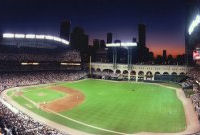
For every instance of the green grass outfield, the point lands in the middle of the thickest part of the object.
(118, 106)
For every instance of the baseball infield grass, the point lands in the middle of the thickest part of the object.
(118, 106)
(39, 95)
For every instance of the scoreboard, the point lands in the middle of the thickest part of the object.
(196, 54)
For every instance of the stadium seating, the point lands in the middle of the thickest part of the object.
(193, 83)
(14, 122)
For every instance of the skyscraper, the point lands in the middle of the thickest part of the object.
(65, 29)
(151, 57)
(142, 35)
(96, 43)
(79, 40)
(109, 37)
(102, 44)
(142, 50)
(164, 56)
(134, 39)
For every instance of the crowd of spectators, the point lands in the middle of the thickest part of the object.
(106, 74)
(8, 80)
(196, 99)
(188, 83)
(17, 123)
(14, 122)
(69, 56)
(21, 124)
(194, 73)
(193, 82)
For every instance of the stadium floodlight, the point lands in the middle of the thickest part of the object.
(129, 44)
(63, 63)
(35, 63)
(31, 36)
(113, 45)
(197, 82)
(65, 42)
(194, 24)
(57, 39)
(39, 36)
(48, 37)
(8, 35)
(24, 63)
(70, 64)
(19, 36)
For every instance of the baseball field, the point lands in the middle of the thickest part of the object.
(106, 107)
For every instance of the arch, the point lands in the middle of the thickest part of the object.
(92, 69)
(182, 73)
(141, 73)
(157, 73)
(98, 70)
(133, 73)
(149, 74)
(108, 71)
(125, 72)
(118, 71)
(174, 73)
(165, 73)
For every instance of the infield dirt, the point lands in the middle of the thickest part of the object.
(73, 98)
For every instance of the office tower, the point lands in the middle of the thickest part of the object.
(142, 35)
(65, 29)
(79, 40)
(109, 37)
(142, 50)
(96, 43)
(102, 44)
(151, 57)
(164, 56)
(134, 40)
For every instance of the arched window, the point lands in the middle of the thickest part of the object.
(141, 74)
(149, 74)
(157, 73)
(165, 73)
(98, 70)
(118, 71)
(133, 73)
(174, 73)
(125, 72)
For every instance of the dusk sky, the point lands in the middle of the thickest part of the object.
(164, 19)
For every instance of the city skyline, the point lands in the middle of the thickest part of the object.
(165, 28)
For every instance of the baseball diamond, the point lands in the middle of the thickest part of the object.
(107, 107)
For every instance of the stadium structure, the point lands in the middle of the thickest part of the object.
(192, 31)
(45, 89)
(36, 52)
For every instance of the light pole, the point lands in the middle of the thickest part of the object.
(128, 45)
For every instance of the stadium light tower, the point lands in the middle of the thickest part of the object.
(194, 24)
(114, 46)
(190, 46)
(128, 45)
